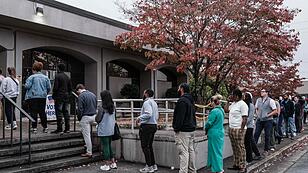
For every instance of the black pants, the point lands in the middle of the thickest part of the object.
(298, 123)
(10, 110)
(305, 117)
(62, 111)
(250, 145)
(267, 126)
(146, 133)
(37, 106)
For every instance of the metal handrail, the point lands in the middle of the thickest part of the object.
(75, 114)
(23, 112)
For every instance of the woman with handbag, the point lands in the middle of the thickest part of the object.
(10, 87)
(105, 129)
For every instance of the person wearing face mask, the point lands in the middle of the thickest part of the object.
(87, 104)
(184, 125)
(148, 127)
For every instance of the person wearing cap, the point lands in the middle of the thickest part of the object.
(87, 105)
(184, 125)
(265, 110)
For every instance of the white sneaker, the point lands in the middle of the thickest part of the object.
(8, 127)
(105, 168)
(113, 166)
(147, 169)
(155, 167)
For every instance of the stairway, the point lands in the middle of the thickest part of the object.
(49, 152)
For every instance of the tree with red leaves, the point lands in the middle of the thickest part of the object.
(217, 41)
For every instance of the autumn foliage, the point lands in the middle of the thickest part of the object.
(219, 42)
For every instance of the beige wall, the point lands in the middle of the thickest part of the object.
(116, 84)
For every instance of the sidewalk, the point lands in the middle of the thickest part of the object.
(127, 167)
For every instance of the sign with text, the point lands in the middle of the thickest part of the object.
(50, 108)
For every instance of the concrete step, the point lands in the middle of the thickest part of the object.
(69, 143)
(40, 156)
(45, 137)
(47, 166)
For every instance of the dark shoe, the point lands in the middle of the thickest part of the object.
(244, 170)
(56, 132)
(86, 155)
(45, 130)
(234, 168)
(257, 158)
(66, 131)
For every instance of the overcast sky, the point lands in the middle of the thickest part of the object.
(109, 9)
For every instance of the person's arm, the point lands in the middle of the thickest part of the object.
(211, 119)
(80, 107)
(29, 83)
(147, 112)
(244, 112)
(55, 85)
(178, 116)
(274, 108)
(48, 85)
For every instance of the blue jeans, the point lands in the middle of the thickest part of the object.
(281, 125)
(267, 126)
(289, 125)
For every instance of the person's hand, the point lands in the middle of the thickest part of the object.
(138, 121)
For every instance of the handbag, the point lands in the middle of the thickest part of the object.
(117, 134)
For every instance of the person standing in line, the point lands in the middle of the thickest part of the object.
(184, 125)
(299, 113)
(280, 128)
(87, 105)
(105, 130)
(1, 79)
(214, 128)
(61, 94)
(148, 127)
(250, 144)
(288, 113)
(265, 110)
(238, 113)
(10, 87)
(274, 132)
(305, 110)
(37, 88)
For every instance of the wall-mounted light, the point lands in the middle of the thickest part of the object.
(39, 10)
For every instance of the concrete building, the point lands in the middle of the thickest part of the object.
(53, 32)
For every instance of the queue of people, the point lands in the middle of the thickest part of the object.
(279, 118)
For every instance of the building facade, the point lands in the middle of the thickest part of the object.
(52, 32)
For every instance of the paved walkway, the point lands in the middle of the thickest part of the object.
(128, 167)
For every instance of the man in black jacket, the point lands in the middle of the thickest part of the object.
(184, 125)
(288, 115)
(60, 93)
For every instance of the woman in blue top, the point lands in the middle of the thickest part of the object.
(215, 131)
(37, 88)
(105, 130)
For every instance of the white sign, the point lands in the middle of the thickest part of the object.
(50, 108)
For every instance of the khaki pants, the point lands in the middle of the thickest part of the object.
(185, 145)
(85, 124)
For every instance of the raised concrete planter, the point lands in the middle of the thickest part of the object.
(166, 153)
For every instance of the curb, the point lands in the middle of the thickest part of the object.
(265, 162)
